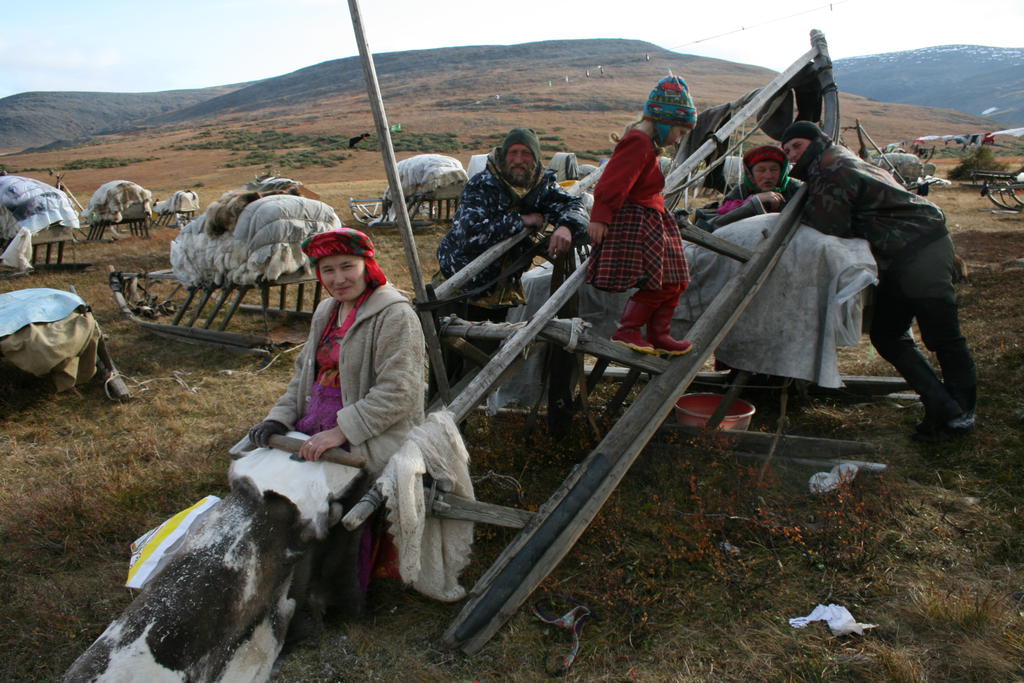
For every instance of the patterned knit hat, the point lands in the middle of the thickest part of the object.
(670, 103)
(345, 241)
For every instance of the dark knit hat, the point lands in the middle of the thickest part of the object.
(801, 129)
(521, 136)
(670, 103)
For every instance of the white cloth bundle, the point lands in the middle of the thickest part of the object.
(430, 175)
(180, 201)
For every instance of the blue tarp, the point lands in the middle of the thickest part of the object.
(38, 305)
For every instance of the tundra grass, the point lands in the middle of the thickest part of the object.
(692, 569)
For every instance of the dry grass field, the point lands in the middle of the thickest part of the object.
(931, 552)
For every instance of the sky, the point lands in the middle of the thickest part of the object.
(154, 45)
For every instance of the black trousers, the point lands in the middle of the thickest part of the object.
(922, 290)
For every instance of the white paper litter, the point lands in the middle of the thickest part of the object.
(838, 617)
(823, 482)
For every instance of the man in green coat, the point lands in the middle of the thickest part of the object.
(848, 197)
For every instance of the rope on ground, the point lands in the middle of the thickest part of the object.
(503, 481)
(176, 376)
(573, 621)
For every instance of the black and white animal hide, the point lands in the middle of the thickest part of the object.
(219, 609)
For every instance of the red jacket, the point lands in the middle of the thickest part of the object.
(631, 176)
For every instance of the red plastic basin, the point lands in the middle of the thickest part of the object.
(695, 409)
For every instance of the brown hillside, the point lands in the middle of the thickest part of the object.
(575, 114)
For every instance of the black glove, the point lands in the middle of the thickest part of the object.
(262, 432)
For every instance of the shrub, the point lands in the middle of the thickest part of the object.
(981, 158)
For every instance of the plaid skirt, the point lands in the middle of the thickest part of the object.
(641, 249)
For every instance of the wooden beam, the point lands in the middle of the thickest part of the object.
(692, 233)
(453, 285)
(483, 383)
(761, 442)
(398, 198)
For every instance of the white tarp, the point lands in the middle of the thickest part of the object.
(808, 307)
(34, 204)
(263, 246)
(1016, 132)
(180, 201)
(430, 176)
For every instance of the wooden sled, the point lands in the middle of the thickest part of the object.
(554, 529)
(201, 315)
(425, 211)
(174, 219)
(1004, 195)
(137, 227)
(48, 251)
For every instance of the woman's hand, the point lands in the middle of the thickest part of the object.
(315, 445)
(597, 231)
(771, 201)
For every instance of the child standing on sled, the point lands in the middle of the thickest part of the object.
(636, 240)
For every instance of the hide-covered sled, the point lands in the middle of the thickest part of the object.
(52, 333)
(431, 184)
(36, 222)
(242, 254)
(120, 203)
(178, 209)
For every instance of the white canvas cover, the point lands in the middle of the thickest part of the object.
(430, 176)
(179, 202)
(34, 205)
(263, 246)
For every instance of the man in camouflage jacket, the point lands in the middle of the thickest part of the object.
(848, 197)
(513, 193)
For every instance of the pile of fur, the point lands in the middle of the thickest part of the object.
(118, 201)
(30, 203)
(244, 238)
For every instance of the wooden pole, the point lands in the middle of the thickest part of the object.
(398, 196)
(453, 285)
(467, 399)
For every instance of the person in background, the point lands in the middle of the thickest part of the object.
(358, 384)
(848, 197)
(513, 193)
(636, 240)
(766, 187)
(352, 142)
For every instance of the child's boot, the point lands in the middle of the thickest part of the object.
(631, 324)
(659, 329)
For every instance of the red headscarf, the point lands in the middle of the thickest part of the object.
(345, 241)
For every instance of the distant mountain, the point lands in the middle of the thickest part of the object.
(582, 78)
(444, 75)
(979, 80)
(40, 118)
